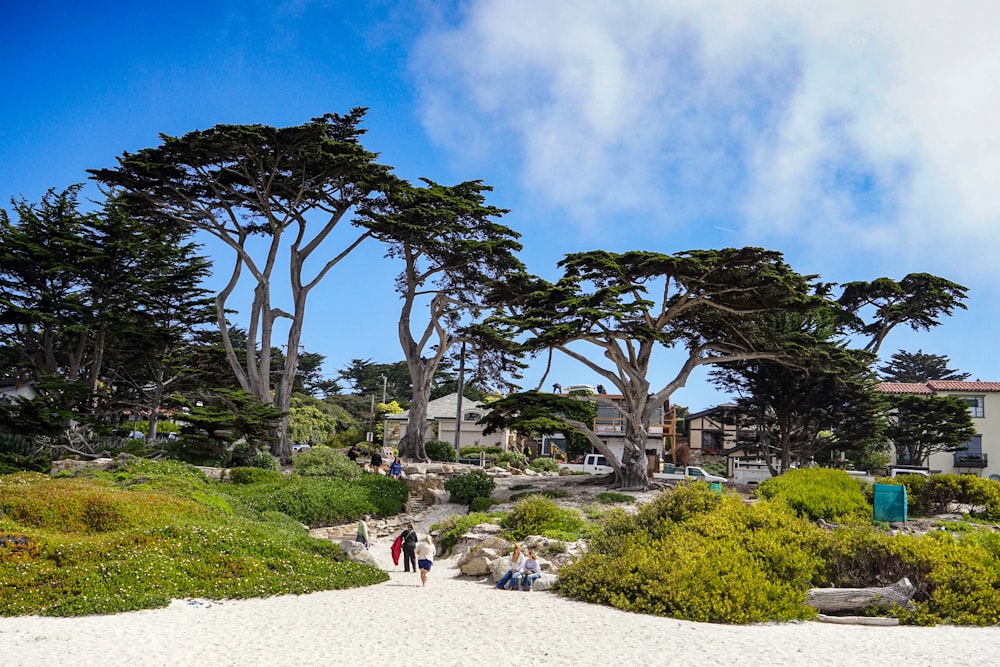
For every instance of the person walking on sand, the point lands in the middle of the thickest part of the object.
(409, 548)
(396, 468)
(516, 565)
(376, 463)
(363, 530)
(425, 558)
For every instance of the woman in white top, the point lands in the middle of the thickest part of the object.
(425, 558)
(516, 565)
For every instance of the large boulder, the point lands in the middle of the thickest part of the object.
(355, 551)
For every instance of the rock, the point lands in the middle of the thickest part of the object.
(544, 582)
(355, 551)
(530, 473)
(477, 566)
(564, 472)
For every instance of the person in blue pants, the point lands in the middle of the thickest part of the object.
(516, 565)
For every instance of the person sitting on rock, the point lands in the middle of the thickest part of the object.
(528, 574)
(516, 565)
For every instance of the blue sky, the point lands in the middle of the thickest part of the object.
(858, 138)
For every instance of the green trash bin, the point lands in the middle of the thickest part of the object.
(716, 486)
(890, 502)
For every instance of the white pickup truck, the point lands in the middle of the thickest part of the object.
(593, 464)
(688, 472)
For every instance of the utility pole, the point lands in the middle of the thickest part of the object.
(384, 380)
(458, 411)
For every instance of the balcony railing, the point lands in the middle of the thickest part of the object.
(970, 460)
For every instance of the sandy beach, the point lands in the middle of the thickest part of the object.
(456, 620)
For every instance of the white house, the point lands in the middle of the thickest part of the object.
(983, 399)
(11, 390)
(441, 414)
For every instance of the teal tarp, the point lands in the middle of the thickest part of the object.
(890, 502)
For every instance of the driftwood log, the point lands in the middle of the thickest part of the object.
(857, 620)
(849, 599)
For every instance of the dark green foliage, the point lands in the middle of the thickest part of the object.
(919, 367)
(481, 504)
(545, 493)
(543, 464)
(609, 497)
(923, 425)
(536, 515)
(254, 476)
(465, 488)
(16, 453)
(511, 459)
(932, 495)
(223, 417)
(473, 452)
(326, 462)
(918, 301)
(818, 493)
(146, 534)
(321, 501)
(439, 450)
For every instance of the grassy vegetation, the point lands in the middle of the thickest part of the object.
(610, 497)
(704, 556)
(146, 533)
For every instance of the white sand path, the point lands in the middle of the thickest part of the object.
(460, 621)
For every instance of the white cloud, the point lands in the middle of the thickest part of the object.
(859, 124)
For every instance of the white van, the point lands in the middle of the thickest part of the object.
(896, 471)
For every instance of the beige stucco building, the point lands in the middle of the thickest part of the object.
(982, 456)
(441, 417)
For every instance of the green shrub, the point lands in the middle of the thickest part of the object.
(439, 450)
(321, 501)
(818, 493)
(511, 459)
(544, 464)
(465, 488)
(933, 495)
(609, 497)
(473, 452)
(452, 528)
(117, 542)
(535, 515)
(701, 556)
(253, 475)
(481, 504)
(326, 462)
(263, 460)
(554, 494)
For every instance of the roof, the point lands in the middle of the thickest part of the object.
(935, 386)
(721, 408)
(445, 407)
(903, 388)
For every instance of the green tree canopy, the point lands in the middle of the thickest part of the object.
(923, 425)
(710, 303)
(919, 367)
(451, 248)
(236, 182)
(918, 300)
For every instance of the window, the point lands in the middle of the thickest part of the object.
(471, 416)
(977, 405)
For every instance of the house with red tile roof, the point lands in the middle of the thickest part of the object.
(982, 456)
